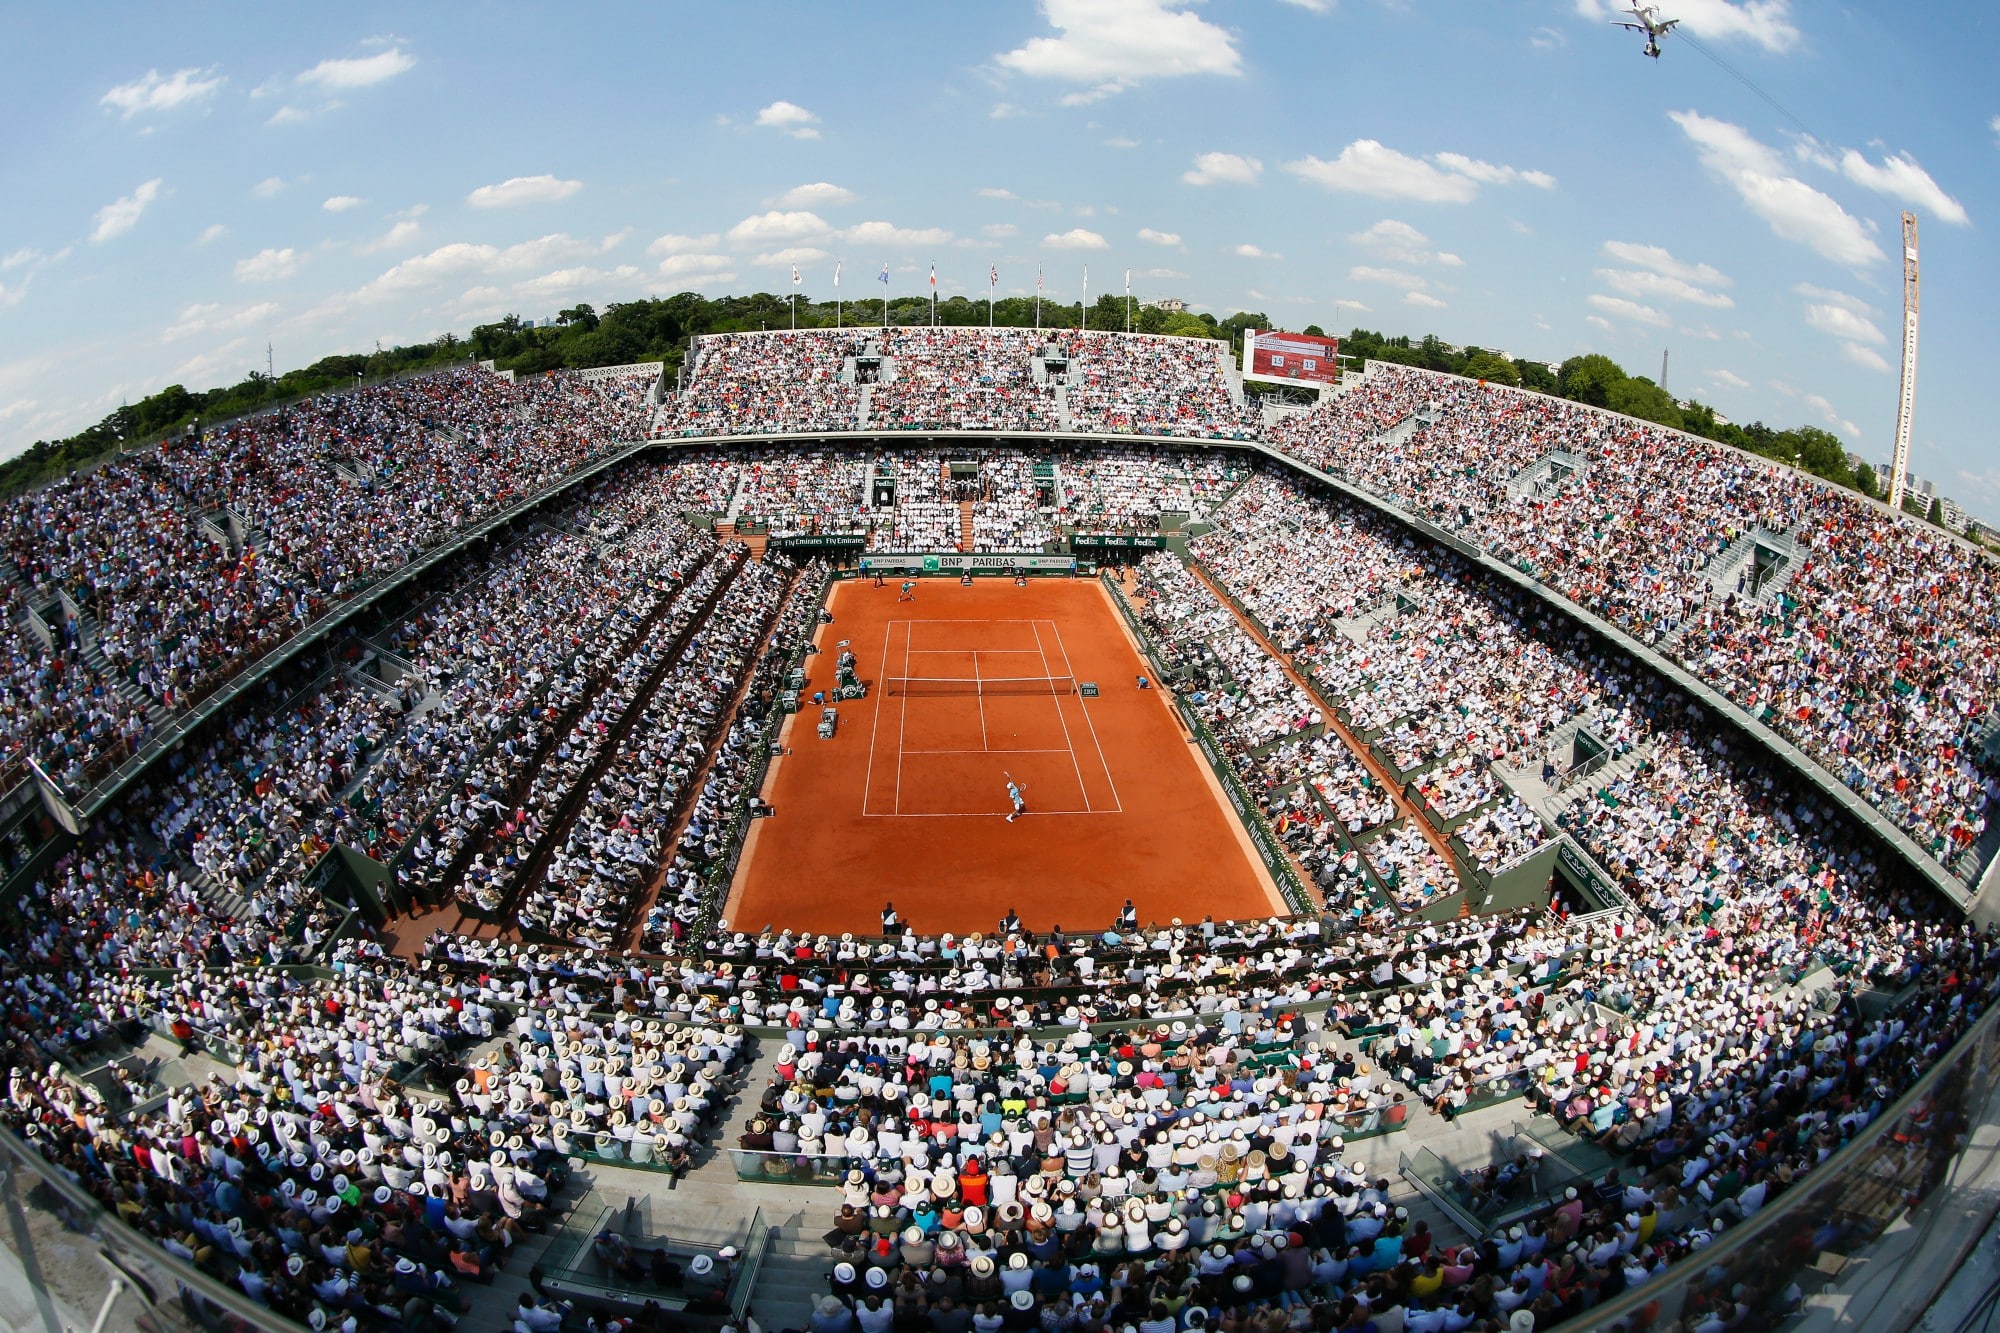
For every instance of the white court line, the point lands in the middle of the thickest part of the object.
(986, 752)
(980, 695)
(869, 777)
(1069, 670)
(1057, 700)
(902, 717)
(986, 814)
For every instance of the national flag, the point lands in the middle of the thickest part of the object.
(836, 274)
(795, 275)
(1038, 277)
(993, 276)
(1128, 282)
(933, 277)
(884, 278)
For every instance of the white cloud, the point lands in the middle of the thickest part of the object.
(516, 190)
(153, 91)
(777, 227)
(1660, 260)
(877, 234)
(1488, 173)
(1313, 6)
(1223, 169)
(1832, 297)
(1248, 251)
(211, 318)
(1842, 321)
(1865, 356)
(1424, 299)
(214, 231)
(1075, 239)
(1730, 378)
(463, 258)
(293, 115)
(1003, 111)
(671, 244)
(1388, 277)
(26, 263)
(1598, 322)
(999, 231)
(402, 233)
(359, 71)
(1155, 237)
(819, 194)
(995, 192)
(704, 268)
(1830, 414)
(1368, 167)
(1899, 177)
(1994, 125)
(1632, 310)
(268, 188)
(1661, 287)
(1121, 141)
(1158, 273)
(1794, 210)
(121, 215)
(789, 118)
(1401, 243)
(1344, 303)
(340, 203)
(581, 278)
(268, 265)
(1112, 45)
(791, 254)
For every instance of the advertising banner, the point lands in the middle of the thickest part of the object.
(955, 562)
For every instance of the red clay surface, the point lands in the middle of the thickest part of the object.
(908, 801)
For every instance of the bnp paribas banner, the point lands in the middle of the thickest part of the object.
(956, 563)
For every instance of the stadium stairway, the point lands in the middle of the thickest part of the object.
(683, 813)
(1232, 374)
(556, 831)
(1062, 408)
(965, 535)
(122, 684)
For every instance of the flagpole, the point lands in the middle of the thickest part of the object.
(1083, 308)
(1038, 298)
(836, 294)
(1128, 300)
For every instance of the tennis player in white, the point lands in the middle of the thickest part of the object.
(1016, 796)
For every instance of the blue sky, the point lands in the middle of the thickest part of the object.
(187, 183)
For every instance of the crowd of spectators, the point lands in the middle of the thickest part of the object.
(778, 382)
(185, 562)
(1135, 384)
(558, 700)
(1872, 648)
(962, 379)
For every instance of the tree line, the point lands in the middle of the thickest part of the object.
(661, 329)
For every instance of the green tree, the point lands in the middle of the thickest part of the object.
(1936, 514)
(1492, 367)
(1589, 379)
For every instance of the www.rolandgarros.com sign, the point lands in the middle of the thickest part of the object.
(956, 563)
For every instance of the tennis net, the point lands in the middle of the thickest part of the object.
(981, 686)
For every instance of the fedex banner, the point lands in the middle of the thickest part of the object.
(1269, 355)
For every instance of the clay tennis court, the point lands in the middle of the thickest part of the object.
(908, 801)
